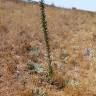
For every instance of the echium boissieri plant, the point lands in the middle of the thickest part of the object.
(45, 31)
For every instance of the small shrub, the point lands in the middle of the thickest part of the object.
(35, 68)
(74, 82)
(39, 92)
(64, 56)
(33, 50)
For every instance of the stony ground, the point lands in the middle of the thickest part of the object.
(73, 51)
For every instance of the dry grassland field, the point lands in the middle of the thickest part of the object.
(72, 38)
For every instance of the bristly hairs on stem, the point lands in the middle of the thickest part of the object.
(45, 31)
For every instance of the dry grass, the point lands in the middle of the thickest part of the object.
(71, 31)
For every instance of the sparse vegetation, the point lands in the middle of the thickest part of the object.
(35, 68)
(38, 92)
(72, 40)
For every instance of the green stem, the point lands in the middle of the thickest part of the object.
(45, 31)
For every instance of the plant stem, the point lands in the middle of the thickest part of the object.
(45, 31)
